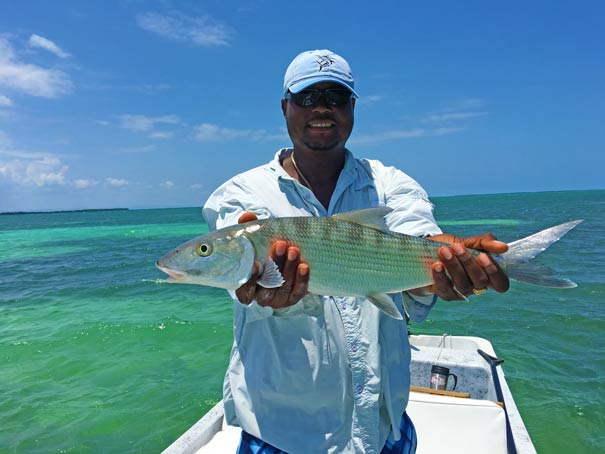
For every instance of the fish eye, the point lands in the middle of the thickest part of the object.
(204, 249)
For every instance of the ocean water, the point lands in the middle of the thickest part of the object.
(96, 355)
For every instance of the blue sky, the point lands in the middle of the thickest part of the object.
(155, 103)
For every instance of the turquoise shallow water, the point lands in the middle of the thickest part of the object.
(98, 356)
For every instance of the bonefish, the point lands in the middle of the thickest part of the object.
(349, 254)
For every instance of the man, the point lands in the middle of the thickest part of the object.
(333, 376)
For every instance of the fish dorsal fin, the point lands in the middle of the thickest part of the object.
(368, 217)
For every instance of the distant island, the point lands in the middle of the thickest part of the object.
(64, 211)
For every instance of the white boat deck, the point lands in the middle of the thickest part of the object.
(444, 424)
(459, 354)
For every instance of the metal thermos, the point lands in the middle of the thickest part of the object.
(439, 376)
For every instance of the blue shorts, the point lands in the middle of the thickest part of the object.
(249, 444)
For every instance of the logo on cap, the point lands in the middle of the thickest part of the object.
(324, 61)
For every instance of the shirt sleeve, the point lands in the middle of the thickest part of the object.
(412, 210)
(230, 200)
(418, 307)
(413, 215)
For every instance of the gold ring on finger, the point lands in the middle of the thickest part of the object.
(479, 291)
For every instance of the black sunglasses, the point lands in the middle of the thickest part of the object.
(333, 97)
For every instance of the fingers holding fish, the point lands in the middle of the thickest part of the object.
(245, 294)
(247, 216)
(278, 255)
(466, 274)
(486, 274)
(473, 276)
(498, 280)
(463, 272)
(443, 287)
(485, 242)
(295, 274)
(287, 259)
(289, 269)
(301, 283)
(296, 277)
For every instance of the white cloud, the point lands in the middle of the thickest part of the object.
(442, 122)
(22, 168)
(117, 182)
(196, 186)
(208, 132)
(161, 134)
(167, 184)
(84, 184)
(452, 116)
(385, 136)
(142, 87)
(368, 139)
(460, 110)
(202, 31)
(29, 78)
(50, 170)
(39, 169)
(370, 99)
(47, 44)
(141, 123)
(5, 101)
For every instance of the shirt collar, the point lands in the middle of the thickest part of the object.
(349, 170)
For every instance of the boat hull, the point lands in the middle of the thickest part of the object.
(476, 423)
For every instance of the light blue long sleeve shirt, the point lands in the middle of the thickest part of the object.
(330, 377)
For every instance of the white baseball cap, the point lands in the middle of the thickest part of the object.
(314, 66)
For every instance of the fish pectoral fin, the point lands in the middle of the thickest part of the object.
(270, 277)
(383, 302)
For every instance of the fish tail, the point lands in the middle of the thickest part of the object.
(522, 251)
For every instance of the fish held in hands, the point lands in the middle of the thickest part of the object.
(349, 254)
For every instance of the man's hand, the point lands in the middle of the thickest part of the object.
(294, 271)
(467, 275)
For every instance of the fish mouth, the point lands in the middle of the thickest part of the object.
(174, 274)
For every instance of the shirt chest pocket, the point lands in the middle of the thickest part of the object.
(361, 195)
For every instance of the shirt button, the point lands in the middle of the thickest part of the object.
(307, 196)
(359, 389)
(354, 348)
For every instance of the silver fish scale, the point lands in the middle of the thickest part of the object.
(351, 259)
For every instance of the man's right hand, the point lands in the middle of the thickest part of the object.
(294, 271)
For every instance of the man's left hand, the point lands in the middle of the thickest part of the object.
(459, 273)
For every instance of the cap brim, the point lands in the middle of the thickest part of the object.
(300, 86)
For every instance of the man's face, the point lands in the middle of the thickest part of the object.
(322, 127)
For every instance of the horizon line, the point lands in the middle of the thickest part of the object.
(163, 207)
